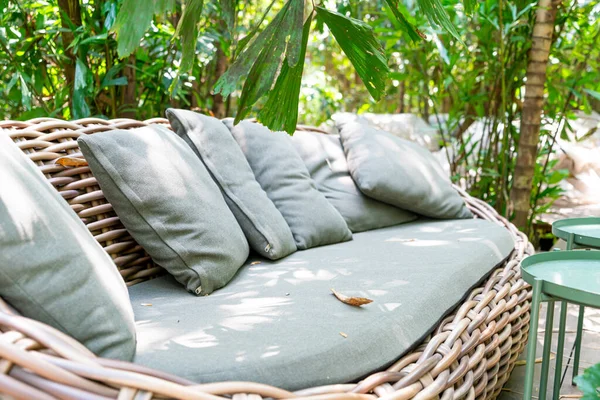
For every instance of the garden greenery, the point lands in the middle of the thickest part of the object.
(456, 64)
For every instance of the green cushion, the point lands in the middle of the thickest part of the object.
(278, 323)
(398, 172)
(324, 157)
(283, 176)
(169, 203)
(266, 230)
(51, 267)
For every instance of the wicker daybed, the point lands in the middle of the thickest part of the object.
(470, 354)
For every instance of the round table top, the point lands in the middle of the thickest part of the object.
(570, 275)
(586, 230)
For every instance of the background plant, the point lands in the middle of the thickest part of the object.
(64, 61)
(589, 383)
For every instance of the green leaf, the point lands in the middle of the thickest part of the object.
(260, 62)
(35, 112)
(589, 382)
(3, 4)
(437, 15)
(25, 92)
(228, 12)
(281, 110)
(110, 80)
(593, 93)
(361, 47)
(188, 30)
(133, 21)
(409, 28)
(296, 33)
(109, 10)
(264, 70)
(469, 6)
(80, 108)
(246, 39)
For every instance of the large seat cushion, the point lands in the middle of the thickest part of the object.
(398, 172)
(51, 267)
(278, 323)
(267, 232)
(283, 176)
(167, 200)
(326, 162)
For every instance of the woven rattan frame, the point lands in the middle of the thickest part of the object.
(470, 355)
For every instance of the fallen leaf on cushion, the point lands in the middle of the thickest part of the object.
(255, 262)
(353, 301)
(343, 335)
(68, 161)
(147, 304)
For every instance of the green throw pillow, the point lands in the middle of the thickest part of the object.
(169, 204)
(398, 172)
(266, 230)
(51, 267)
(282, 174)
(324, 157)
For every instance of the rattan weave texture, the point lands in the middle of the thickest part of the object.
(469, 356)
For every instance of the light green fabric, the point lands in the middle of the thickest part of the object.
(169, 203)
(278, 323)
(282, 174)
(324, 157)
(52, 269)
(398, 172)
(264, 226)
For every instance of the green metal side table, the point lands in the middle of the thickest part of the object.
(578, 233)
(567, 276)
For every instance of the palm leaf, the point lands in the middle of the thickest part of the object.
(246, 39)
(437, 15)
(281, 110)
(133, 21)
(409, 28)
(261, 61)
(187, 29)
(361, 47)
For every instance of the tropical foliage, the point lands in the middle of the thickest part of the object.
(459, 64)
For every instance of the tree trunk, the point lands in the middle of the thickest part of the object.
(532, 111)
(71, 15)
(218, 107)
(129, 97)
(401, 92)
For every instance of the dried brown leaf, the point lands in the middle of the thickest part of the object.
(255, 262)
(146, 304)
(68, 161)
(353, 301)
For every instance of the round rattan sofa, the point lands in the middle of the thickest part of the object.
(470, 355)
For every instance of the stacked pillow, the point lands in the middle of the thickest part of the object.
(324, 157)
(398, 172)
(198, 199)
(169, 203)
(282, 174)
(264, 226)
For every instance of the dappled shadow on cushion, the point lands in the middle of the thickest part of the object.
(277, 322)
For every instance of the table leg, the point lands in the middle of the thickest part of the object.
(578, 342)
(570, 241)
(559, 350)
(546, 352)
(532, 340)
